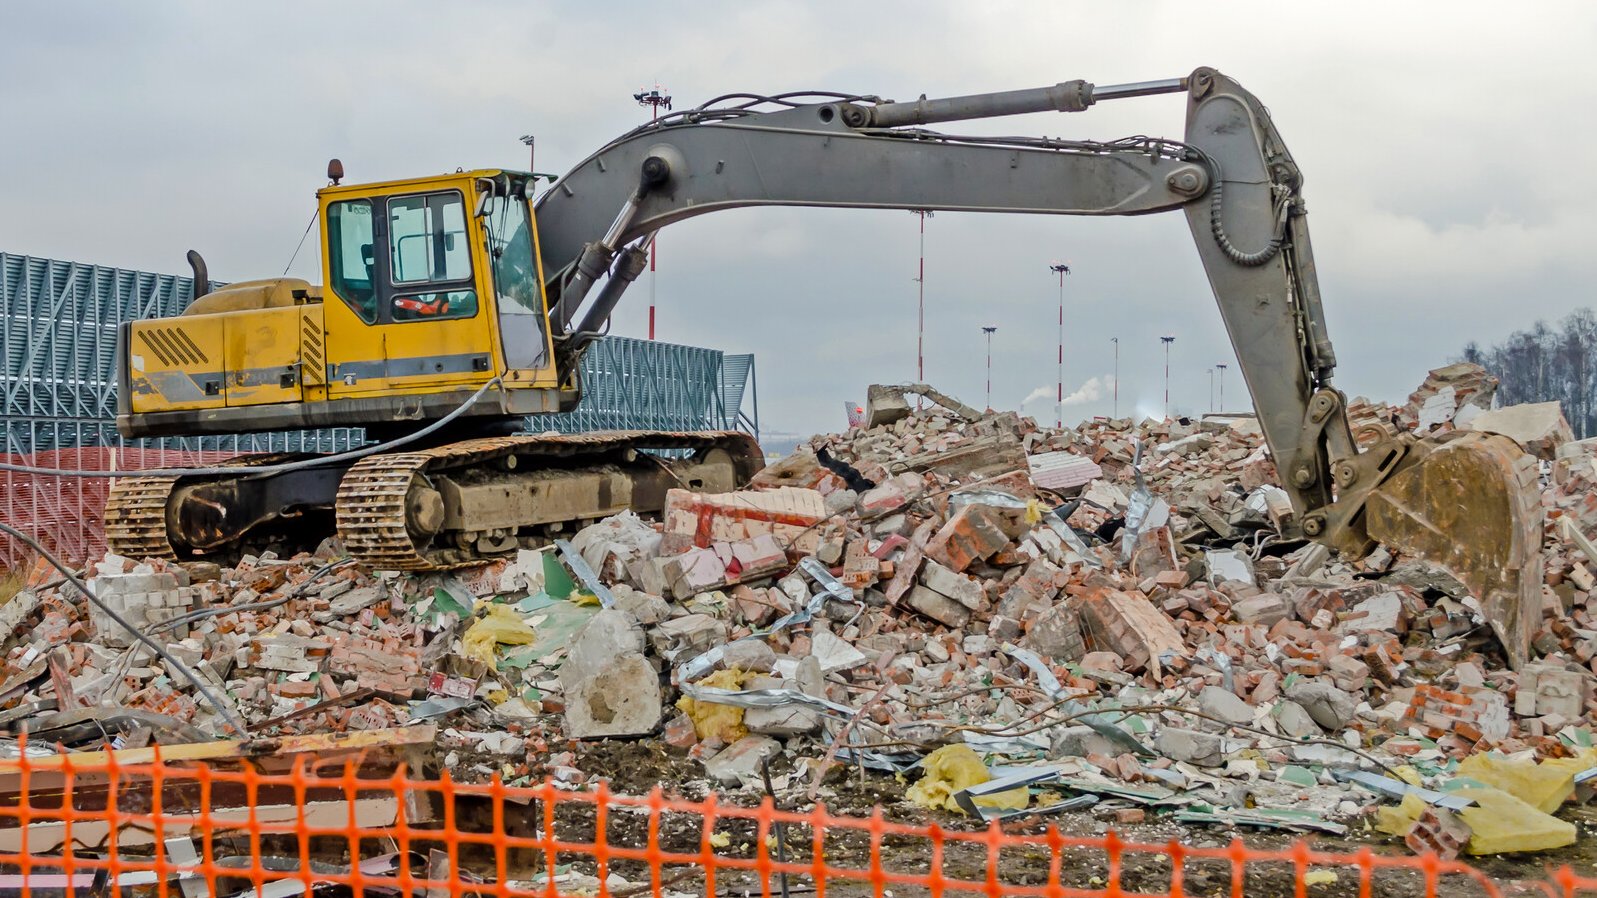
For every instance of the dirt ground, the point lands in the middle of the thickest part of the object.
(636, 767)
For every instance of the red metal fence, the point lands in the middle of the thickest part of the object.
(95, 823)
(66, 514)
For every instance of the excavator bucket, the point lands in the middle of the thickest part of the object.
(1473, 505)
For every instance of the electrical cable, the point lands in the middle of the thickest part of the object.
(264, 470)
(232, 718)
(301, 245)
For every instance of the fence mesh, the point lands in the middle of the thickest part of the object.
(285, 823)
(67, 514)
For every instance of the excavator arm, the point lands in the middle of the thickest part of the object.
(1232, 176)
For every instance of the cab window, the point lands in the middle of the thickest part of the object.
(429, 258)
(447, 304)
(349, 246)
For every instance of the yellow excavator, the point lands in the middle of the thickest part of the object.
(453, 305)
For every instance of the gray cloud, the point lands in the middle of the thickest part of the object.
(1444, 157)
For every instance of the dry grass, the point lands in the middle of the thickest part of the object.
(10, 584)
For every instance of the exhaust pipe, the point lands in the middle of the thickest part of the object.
(202, 276)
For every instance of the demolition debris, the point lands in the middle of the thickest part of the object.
(1114, 619)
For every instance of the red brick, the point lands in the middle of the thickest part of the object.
(1438, 830)
(1131, 627)
(971, 535)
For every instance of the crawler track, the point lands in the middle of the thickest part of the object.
(373, 520)
(372, 514)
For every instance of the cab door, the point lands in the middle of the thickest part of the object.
(412, 313)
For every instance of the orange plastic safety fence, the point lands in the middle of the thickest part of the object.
(69, 827)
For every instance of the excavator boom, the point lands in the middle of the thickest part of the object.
(1232, 176)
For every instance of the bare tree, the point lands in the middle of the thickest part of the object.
(1542, 364)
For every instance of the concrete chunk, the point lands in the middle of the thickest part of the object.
(1056, 635)
(740, 762)
(964, 590)
(787, 513)
(1217, 701)
(1190, 746)
(623, 699)
(1538, 426)
(1330, 707)
(606, 637)
(938, 607)
(973, 534)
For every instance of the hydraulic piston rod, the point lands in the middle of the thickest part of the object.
(1067, 96)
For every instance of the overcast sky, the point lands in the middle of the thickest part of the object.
(1446, 150)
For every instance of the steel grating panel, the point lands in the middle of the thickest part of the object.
(632, 384)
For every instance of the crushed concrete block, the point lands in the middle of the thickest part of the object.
(1229, 566)
(1383, 611)
(1079, 742)
(1294, 720)
(1265, 609)
(1540, 427)
(892, 494)
(964, 590)
(688, 635)
(1547, 687)
(937, 606)
(622, 699)
(748, 655)
(741, 762)
(645, 608)
(695, 571)
(607, 636)
(616, 543)
(833, 653)
(1329, 706)
(792, 719)
(1056, 635)
(787, 513)
(1190, 746)
(1222, 703)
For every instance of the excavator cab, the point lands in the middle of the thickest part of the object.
(432, 289)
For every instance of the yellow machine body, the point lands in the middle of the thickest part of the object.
(433, 287)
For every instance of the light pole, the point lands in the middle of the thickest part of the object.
(1167, 341)
(1211, 390)
(989, 332)
(920, 279)
(653, 99)
(1061, 269)
(1221, 366)
(532, 150)
(1116, 341)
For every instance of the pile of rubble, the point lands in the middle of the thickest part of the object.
(1118, 607)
